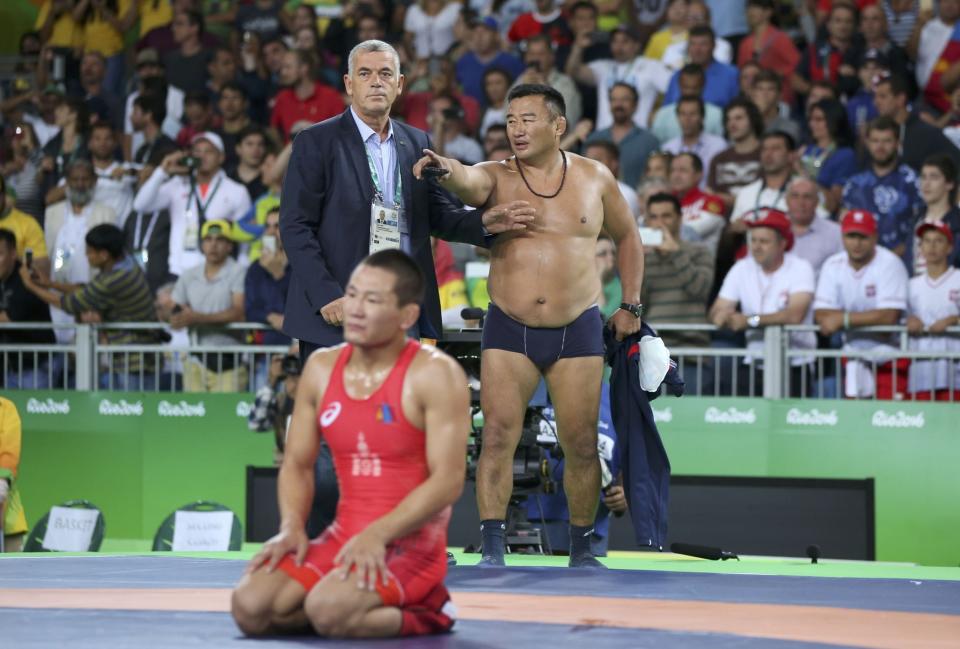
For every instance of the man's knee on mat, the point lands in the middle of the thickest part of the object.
(263, 598)
(333, 610)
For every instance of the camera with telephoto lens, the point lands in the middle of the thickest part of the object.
(290, 365)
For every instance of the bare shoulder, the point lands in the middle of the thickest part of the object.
(325, 357)
(495, 169)
(589, 169)
(319, 366)
(437, 373)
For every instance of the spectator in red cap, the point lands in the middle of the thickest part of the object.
(934, 305)
(771, 287)
(862, 286)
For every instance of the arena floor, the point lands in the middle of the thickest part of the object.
(143, 600)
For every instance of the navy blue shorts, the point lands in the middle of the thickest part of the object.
(544, 345)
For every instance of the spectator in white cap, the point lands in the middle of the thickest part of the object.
(195, 189)
(934, 306)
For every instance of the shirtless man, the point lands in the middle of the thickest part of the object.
(543, 318)
(395, 416)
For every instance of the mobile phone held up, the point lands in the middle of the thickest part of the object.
(269, 243)
(651, 236)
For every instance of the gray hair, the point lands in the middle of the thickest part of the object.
(802, 178)
(372, 46)
(78, 163)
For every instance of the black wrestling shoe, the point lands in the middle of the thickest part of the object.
(451, 560)
(586, 561)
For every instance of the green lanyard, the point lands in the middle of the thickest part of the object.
(398, 189)
(202, 206)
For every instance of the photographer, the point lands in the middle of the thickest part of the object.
(272, 408)
(274, 400)
(549, 512)
(447, 129)
(195, 189)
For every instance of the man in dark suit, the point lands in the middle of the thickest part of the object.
(343, 172)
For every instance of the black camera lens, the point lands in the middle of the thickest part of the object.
(290, 365)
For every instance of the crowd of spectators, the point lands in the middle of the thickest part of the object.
(798, 158)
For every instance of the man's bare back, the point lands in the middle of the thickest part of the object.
(545, 276)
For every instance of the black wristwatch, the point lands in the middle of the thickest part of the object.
(635, 309)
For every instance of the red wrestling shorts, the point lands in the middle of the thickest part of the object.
(412, 575)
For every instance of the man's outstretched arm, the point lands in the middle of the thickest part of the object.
(441, 391)
(472, 184)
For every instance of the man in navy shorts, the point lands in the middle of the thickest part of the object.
(543, 319)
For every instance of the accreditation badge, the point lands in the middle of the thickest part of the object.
(191, 232)
(384, 227)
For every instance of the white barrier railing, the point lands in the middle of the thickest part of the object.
(87, 363)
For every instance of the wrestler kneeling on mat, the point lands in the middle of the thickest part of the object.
(543, 318)
(395, 416)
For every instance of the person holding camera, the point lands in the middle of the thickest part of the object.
(273, 402)
(446, 124)
(195, 189)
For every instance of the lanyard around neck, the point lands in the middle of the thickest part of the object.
(397, 189)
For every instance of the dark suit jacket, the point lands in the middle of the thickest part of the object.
(325, 221)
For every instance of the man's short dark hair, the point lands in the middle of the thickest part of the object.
(236, 87)
(551, 97)
(612, 149)
(629, 86)
(664, 197)
(702, 30)
(947, 167)
(199, 97)
(251, 129)
(768, 76)
(275, 39)
(753, 114)
(783, 135)
(693, 99)
(898, 85)
(584, 4)
(100, 125)
(108, 237)
(693, 70)
(695, 160)
(884, 123)
(541, 38)
(499, 126)
(152, 105)
(410, 285)
(196, 20)
(8, 237)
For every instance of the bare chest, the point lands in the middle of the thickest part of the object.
(576, 211)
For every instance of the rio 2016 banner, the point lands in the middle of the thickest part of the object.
(140, 456)
(136, 456)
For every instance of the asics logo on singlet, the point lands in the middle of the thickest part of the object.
(330, 415)
(364, 463)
